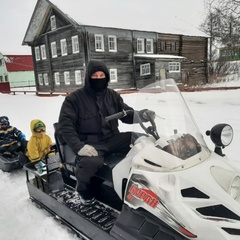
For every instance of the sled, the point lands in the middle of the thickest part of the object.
(8, 164)
(170, 186)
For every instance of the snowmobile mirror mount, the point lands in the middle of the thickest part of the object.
(221, 135)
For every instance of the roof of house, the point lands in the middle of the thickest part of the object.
(116, 18)
(17, 63)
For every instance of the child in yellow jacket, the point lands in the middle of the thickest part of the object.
(40, 143)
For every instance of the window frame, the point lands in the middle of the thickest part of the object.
(63, 43)
(112, 42)
(99, 42)
(140, 42)
(53, 22)
(54, 49)
(57, 78)
(143, 69)
(162, 46)
(45, 79)
(40, 79)
(75, 44)
(174, 67)
(37, 53)
(149, 40)
(173, 46)
(43, 52)
(67, 77)
(114, 71)
(78, 77)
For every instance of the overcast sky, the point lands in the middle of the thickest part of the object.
(16, 14)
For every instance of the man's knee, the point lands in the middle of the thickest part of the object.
(89, 162)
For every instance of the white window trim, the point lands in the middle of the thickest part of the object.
(43, 52)
(113, 72)
(67, 78)
(56, 78)
(75, 44)
(78, 77)
(140, 41)
(114, 42)
(45, 79)
(149, 40)
(40, 79)
(101, 43)
(37, 54)
(54, 49)
(53, 22)
(174, 67)
(63, 43)
(145, 69)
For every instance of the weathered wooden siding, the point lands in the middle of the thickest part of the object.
(122, 59)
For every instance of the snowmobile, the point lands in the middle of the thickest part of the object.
(10, 163)
(170, 186)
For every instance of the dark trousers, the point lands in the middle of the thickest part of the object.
(86, 167)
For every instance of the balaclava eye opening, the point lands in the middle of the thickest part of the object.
(98, 85)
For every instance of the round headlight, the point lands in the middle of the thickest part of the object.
(234, 189)
(221, 134)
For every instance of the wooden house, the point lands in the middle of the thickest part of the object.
(18, 70)
(61, 49)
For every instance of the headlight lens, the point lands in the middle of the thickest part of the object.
(234, 190)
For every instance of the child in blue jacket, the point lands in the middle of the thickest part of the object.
(12, 140)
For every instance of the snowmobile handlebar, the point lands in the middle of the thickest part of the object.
(118, 115)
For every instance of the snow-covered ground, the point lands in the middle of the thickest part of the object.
(21, 219)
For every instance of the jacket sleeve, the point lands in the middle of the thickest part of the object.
(67, 123)
(123, 106)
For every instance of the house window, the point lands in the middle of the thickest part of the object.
(99, 43)
(149, 46)
(43, 52)
(67, 78)
(63, 43)
(1, 78)
(145, 69)
(78, 77)
(1, 62)
(40, 79)
(162, 46)
(112, 43)
(75, 45)
(56, 78)
(140, 45)
(45, 79)
(37, 54)
(113, 75)
(174, 67)
(54, 49)
(53, 22)
(173, 47)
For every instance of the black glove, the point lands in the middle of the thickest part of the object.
(146, 115)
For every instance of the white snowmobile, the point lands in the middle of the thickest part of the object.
(170, 186)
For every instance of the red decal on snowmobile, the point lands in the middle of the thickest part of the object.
(146, 195)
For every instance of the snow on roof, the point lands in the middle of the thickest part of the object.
(136, 15)
(159, 56)
(17, 63)
(133, 16)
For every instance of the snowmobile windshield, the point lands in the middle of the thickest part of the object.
(175, 141)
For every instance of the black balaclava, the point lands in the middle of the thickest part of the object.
(98, 85)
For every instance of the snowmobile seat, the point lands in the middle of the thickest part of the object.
(67, 157)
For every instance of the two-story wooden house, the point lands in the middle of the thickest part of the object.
(62, 47)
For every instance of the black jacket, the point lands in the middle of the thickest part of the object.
(82, 116)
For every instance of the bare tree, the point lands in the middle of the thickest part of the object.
(222, 24)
